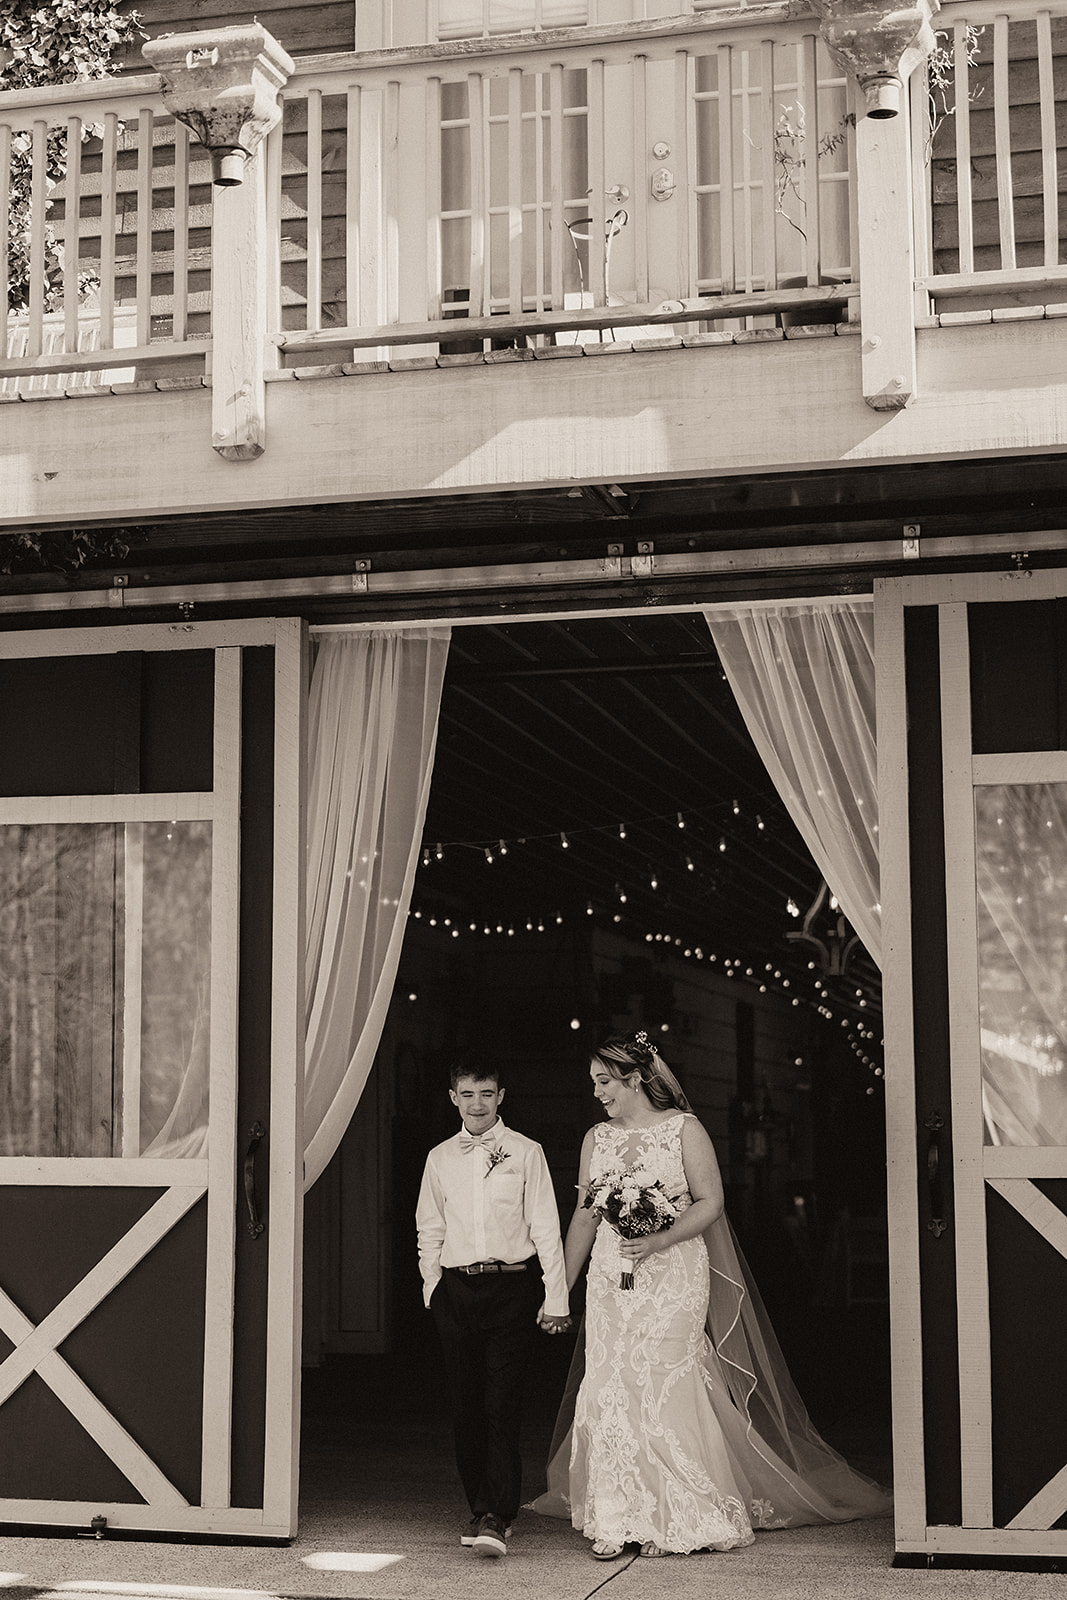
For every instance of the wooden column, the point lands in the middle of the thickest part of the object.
(238, 315)
(224, 85)
(886, 270)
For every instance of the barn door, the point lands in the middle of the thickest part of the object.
(972, 684)
(150, 1069)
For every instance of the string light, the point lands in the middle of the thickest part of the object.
(489, 855)
(682, 819)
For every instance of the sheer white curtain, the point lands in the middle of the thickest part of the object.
(803, 675)
(375, 698)
(1021, 852)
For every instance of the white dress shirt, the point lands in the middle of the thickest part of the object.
(492, 1202)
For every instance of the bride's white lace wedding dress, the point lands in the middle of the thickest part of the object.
(666, 1447)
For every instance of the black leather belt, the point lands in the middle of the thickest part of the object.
(491, 1266)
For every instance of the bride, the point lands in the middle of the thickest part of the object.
(687, 1431)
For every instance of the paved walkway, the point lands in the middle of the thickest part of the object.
(382, 1512)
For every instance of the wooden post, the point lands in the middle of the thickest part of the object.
(880, 42)
(238, 316)
(886, 270)
(224, 85)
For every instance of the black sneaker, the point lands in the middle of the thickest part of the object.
(490, 1537)
(470, 1532)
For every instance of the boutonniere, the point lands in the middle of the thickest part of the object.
(496, 1156)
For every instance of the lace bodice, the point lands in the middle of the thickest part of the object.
(656, 1151)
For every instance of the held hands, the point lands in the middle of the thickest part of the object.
(549, 1324)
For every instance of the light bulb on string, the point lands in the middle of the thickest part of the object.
(689, 864)
(564, 842)
(653, 881)
(759, 823)
(426, 856)
(622, 830)
(722, 844)
(502, 848)
(488, 855)
(737, 809)
(621, 894)
(439, 852)
(681, 820)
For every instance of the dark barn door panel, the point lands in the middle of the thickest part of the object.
(149, 877)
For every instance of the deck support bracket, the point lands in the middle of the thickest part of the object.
(880, 43)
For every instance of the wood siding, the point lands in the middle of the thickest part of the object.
(313, 27)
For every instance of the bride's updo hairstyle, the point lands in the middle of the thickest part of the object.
(624, 1054)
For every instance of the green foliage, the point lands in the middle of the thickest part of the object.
(50, 42)
(65, 550)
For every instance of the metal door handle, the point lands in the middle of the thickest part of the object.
(256, 1136)
(934, 1123)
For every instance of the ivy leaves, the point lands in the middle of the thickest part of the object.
(60, 41)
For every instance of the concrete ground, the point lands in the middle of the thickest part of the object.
(381, 1514)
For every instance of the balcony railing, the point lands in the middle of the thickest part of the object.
(989, 120)
(470, 196)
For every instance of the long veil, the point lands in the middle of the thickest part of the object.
(790, 1475)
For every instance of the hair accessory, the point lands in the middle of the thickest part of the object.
(641, 1042)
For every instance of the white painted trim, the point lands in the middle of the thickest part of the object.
(712, 607)
(1025, 1161)
(35, 1351)
(1039, 766)
(33, 1344)
(1046, 1507)
(132, 993)
(33, 643)
(180, 1518)
(972, 1285)
(285, 1224)
(945, 1540)
(222, 1102)
(909, 1483)
(98, 1172)
(976, 588)
(33, 809)
(1047, 1220)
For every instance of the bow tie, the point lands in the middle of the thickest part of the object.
(470, 1141)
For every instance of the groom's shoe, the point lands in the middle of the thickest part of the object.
(490, 1539)
(470, 1532)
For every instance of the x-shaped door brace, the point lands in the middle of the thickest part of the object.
(37, 1347)
(1049, 1504)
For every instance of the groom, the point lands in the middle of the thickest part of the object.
(492, 1268)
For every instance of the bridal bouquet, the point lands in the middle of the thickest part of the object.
(633, 1203)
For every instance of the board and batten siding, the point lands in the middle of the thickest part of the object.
(316, 27)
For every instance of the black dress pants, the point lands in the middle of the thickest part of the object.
(487, 1324)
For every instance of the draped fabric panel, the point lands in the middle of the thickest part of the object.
(1021, 857)
(375, 698)
(803, 676)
